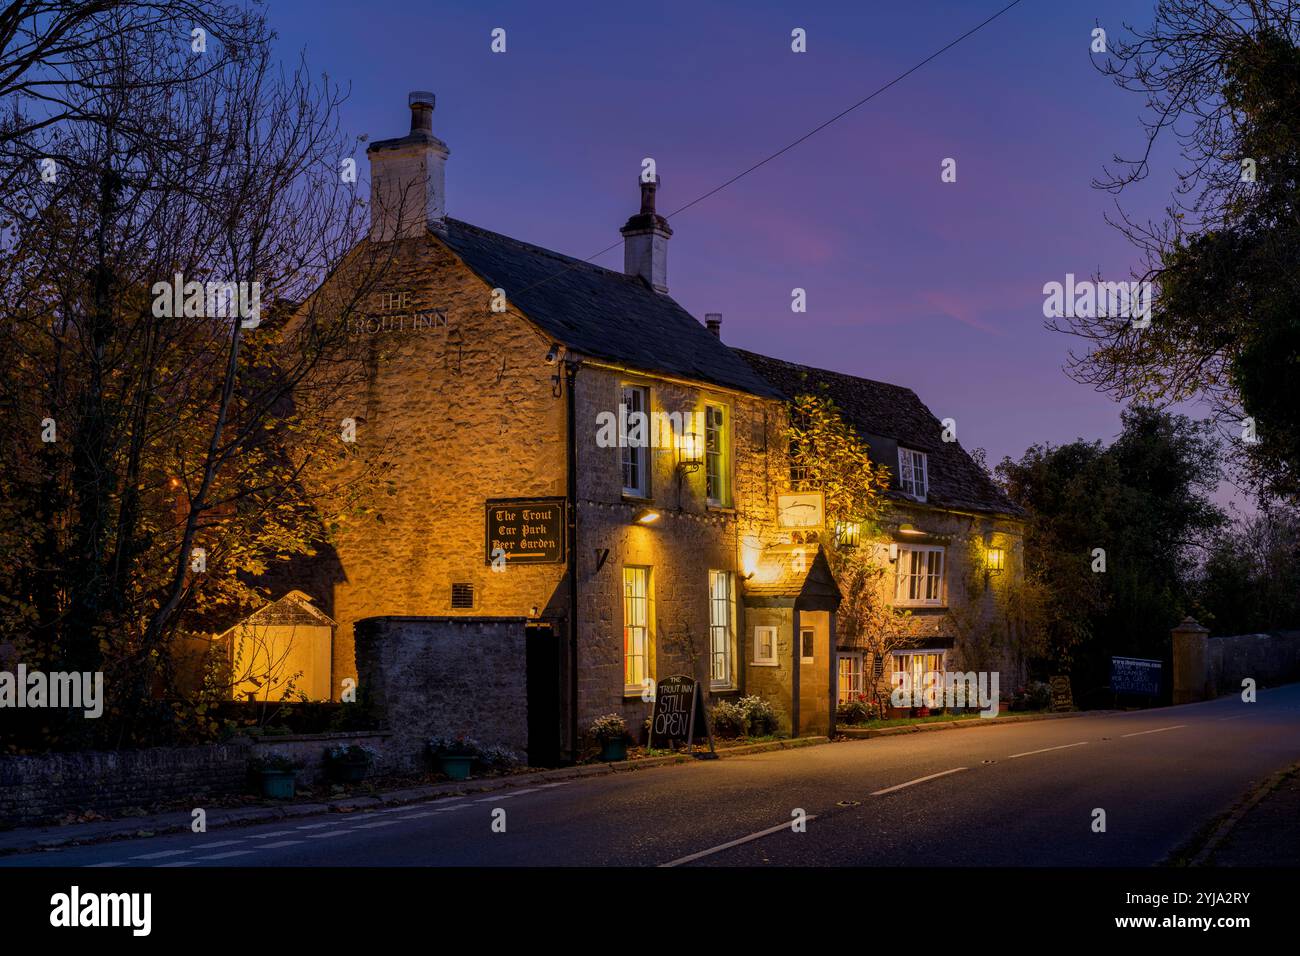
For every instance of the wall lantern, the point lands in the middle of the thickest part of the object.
(893, 552)
(995, 560)
(646, 516)
(909, 529)
(689, 453)
(848, 534)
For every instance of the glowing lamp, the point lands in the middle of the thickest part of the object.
(646, 516)
(995, 560)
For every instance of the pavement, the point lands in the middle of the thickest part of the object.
(1119, 789)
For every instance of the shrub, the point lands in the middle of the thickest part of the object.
(351, 753)
(458, 746)
(761, 718)
(857, 710)
(1037, 696)
(728, 719)
(607, 728)
(499, 758)
(273, 762)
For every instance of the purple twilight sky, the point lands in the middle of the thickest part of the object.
(936, 286)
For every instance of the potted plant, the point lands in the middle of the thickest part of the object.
(610, 731)
(455, 755)
(275, 773)
(348, 763)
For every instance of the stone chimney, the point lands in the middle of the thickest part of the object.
(713, 322)
(645, 241)
(407, 186)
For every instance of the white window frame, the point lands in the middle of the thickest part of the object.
(772, 659)
(717, 461)
(909, 462)
(636, 627)
(928, 582)
(856, 665)
(722, 630)
(632, 456)
(812, 658)
(896, 665)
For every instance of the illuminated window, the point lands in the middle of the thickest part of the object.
(722, 629)
(765, 645)
(917, 664)
(636, 627)
(634, 426)
(913, 476)
(920, 581)
(717, 456)
(850, 677)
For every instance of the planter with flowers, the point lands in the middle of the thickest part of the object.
(610, 731)
(455, 756)
(275, 774)
(348, 763)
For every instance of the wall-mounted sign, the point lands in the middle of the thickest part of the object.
(801, 509)
(1062, 696)
(1135, 675)
(525, 531)
(394, 313)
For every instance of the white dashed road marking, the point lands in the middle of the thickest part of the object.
(326, 836)
(226, 856)
(267, 836)
(1045, 750)
(213, 846)
(1158, 730)
(91, 866)
(727, 846)
(161, 855)
(910, 783)
(278, 844)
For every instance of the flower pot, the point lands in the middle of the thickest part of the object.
(457, 768)
(349, 771)
(611, 750)
(277, 784)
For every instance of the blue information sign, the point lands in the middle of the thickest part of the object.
(1135, 675)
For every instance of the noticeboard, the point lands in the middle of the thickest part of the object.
(524, 531)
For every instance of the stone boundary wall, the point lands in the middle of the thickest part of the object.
(445, 675)
(1206, 667)
(35, 789)
(45, 787)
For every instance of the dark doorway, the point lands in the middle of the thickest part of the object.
(543, 663)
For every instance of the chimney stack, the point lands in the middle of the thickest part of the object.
(407, 178)
(713, 322)
(645, 241)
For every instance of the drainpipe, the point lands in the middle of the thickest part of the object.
(571, 416)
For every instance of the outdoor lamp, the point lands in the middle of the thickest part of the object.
(689, 457)
(646, 516)
(908, 529)
(995, 560)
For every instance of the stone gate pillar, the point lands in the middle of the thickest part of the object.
(1191, 662)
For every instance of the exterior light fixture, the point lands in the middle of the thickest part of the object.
(689, 455)
(995, 560)
(893, 552)
(909, 529)
(645, 516)
(848, 534)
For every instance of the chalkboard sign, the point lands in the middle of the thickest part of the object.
(1062, 697)
(1135, 675)
(678, 713)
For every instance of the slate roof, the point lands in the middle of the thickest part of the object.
(599, 312)
(886, 416)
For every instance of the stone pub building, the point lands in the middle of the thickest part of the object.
(542, 567)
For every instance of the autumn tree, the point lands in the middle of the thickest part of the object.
(165, 442)
(1222, 79)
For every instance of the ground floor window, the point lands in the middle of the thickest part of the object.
(765, 645)
(636, 628)
(807, 641)
(722, 629)
(917, 663)
(850, 679)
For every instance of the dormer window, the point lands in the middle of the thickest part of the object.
(913, 476)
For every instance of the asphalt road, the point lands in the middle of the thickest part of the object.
(1016, 794)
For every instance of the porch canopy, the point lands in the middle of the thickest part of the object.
(793, 575)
